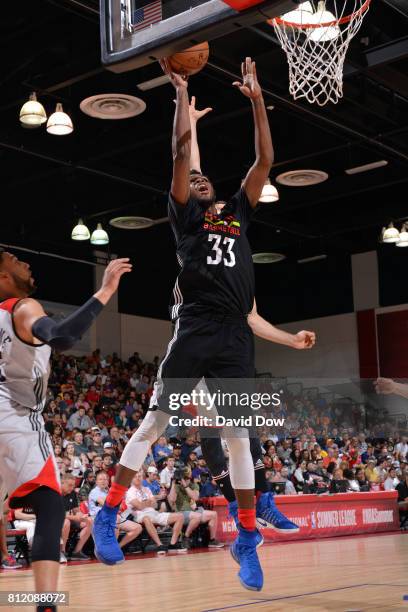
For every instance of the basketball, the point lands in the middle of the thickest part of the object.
(190, 61)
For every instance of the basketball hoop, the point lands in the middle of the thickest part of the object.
(315, 41)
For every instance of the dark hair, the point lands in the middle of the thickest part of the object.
(348, 474)
(331, 467)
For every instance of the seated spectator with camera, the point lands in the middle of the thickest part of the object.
(142, 505)
(183, 495)
(96, 500)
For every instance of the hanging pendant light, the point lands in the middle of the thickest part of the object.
(391, 234)
(403, 236)
(32, 113)
(99, 236)
(80, 231)
(269, 193)
(59, 123)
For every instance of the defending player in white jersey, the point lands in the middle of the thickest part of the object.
(28, 471)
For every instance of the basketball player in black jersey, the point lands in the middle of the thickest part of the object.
(267, 513)
(212, 297)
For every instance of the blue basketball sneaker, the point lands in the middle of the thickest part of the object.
(107, 548)
(243, 551)
(233, 512)
(268, 515)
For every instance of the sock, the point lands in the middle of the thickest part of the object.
(115, 495)
(46, 608)
(225, 486)
(246, 518)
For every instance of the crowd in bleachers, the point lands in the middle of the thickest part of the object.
(95, 403)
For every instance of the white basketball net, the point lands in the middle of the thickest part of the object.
(316, 43)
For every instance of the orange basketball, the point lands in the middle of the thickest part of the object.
(190, 61)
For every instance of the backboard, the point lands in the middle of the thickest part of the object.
(137, 32)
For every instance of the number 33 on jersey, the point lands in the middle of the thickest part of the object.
(217, 274)
(219, 255)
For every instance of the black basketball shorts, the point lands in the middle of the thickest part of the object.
(219, 348)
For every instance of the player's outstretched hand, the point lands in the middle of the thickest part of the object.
(249, 86)
(177, 80)
(304, 340)
(196, 114)
(384, 386)
(112, 275)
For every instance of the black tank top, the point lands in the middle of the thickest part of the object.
(217, 273)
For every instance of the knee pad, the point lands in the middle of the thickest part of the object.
(241, 466)
(153, 425)
(48, 507)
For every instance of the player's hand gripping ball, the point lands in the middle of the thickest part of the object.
(190, 61)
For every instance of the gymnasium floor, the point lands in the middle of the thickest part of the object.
(337, 575)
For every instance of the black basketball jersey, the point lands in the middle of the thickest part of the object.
(217, 273)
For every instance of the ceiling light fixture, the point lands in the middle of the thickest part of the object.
(267, 258)
(80, 231)
(99, 236)
(403, 236)
(32, 113)
(132, 222)
(59, 123)
(302, 178)
(112, 106)
(367, 167)
(269, 193)
(390, 234)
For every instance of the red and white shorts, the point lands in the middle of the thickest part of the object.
(26, 456)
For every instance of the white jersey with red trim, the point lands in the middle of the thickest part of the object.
(24, 367)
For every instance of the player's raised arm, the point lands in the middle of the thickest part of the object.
(258, 173)
(263, 329)
(181, 142)
(34, 326)
(195, 115)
